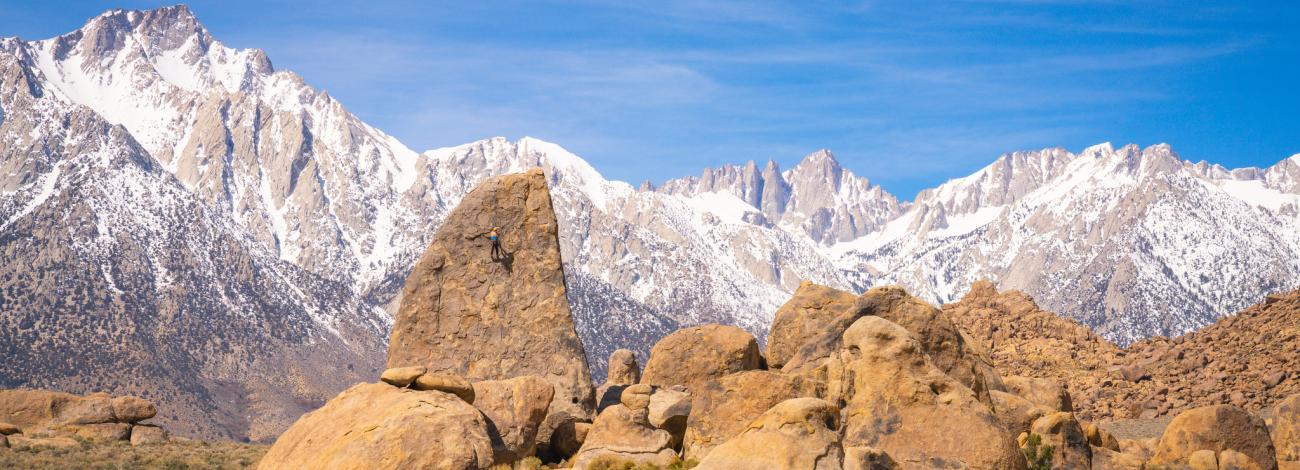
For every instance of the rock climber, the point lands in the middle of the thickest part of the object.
(495, 236)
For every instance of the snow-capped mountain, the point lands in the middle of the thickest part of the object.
(1131, 242)
(182, 214)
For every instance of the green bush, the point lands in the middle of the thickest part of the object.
(1037, 455)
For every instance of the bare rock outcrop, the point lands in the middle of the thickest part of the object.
(514, 410)
(97, 416)
(378, 426)
(1046, 393)
(1066, 437)
(622, 435)
(1286, 431)
(898, 401)
(941, 340)
(623, 371)
(796, 434)
(1215, 429)
(722, 408)
(468, 312)
(691, 356)
(808, 312)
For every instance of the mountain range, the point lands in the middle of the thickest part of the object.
(182, 221)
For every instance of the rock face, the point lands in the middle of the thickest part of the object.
(1215, 429)
(514, 410)
(1286, 430)
(809, 312)
(1069, 444)
(691, 356)
(468, 313)
(623, 371)
(940, 338)
(797, 434)
(1042, 392)
(898, 401)
(97, 416)
(378, 426)
(723, 407)
(1015, 412)
(624, 435)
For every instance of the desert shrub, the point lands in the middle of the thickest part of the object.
(1037, 454)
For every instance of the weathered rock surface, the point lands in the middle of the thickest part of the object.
(722, 408)
(900, 402)
(468, 314)
(378, 426)
(1215, 429)
(623, 368)
(45, 410)
(129, 409)
(1015, 412)
(868, 458)
(7, 429)
(691, 356)
(402, 376)
(623, 371)
(811, 309)
(796, 434)
(623, 435)
(1046, 393)
(1107, 459)
(449, 383)
(1286, 430)
(1070, 448)
(669, 409)
(144, 434)
(514, 410)
(939, 337)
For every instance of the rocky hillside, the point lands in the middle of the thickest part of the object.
(1247, 359)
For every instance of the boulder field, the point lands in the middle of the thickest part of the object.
(485, 371)
(44, 418)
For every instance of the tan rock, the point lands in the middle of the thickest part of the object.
(7, 429)
(623, 435)
(723, 407)
(130, 409)
(514, 410)
(1042, 392)
(898, 401)
(1015, 412)
(636, 397)
(669, 409)
(868, 458)
(810, 311)
(623, 368)
(144, 434)
(1233, 460)
(402, 376)
(453, 384)
(1070, 448)
(1107, 459)
(948, 348)
(609, 394)
(796, 434)
(467, 314)
(1215, 428)
(1203, 460)
(1286, 429)
(568, 438)
(4, 441)
(91, 409)
(378, 426)
(691, 356)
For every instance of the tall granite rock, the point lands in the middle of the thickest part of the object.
(467, 312)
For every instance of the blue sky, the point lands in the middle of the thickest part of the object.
(908, 94)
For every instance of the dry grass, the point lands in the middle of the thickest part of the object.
(176, 455)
